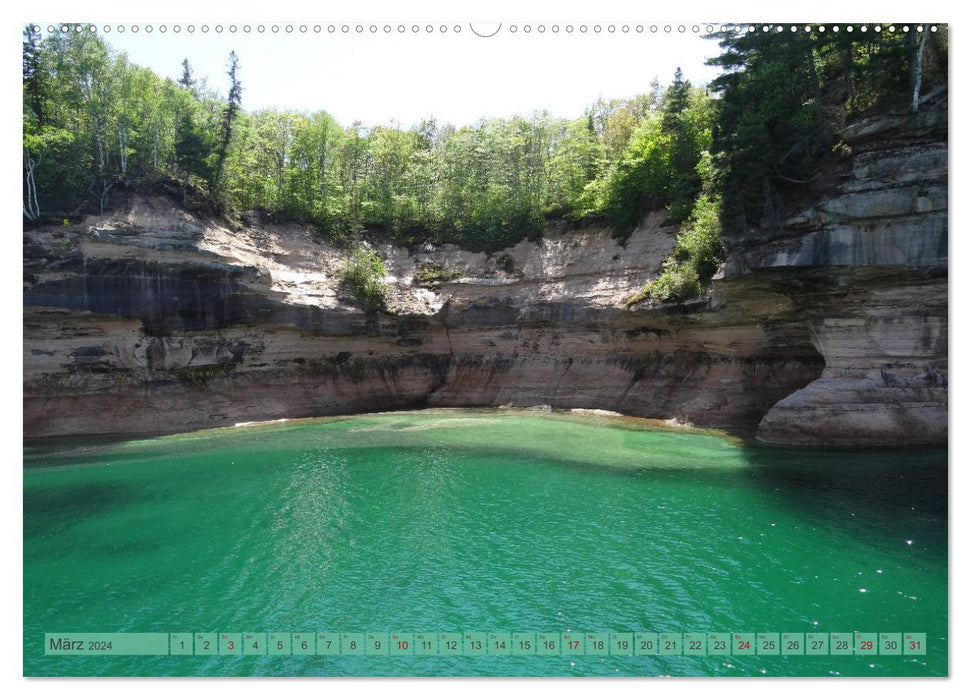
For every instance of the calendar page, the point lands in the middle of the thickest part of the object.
(534, 347)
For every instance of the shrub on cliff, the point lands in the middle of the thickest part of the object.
(678, 282)
(363, 276)
(695, 258)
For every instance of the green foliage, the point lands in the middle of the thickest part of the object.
(93, 121)
(363, 275)
(677, 282)
(658, 167)
(186, 80)
(696, 256)
(36, 81)
(484, 186)
(614, 121)
(497, 180)
(699, 240)
(676, 101)
(639, 182)
(192, 149)
(783, 97)
(227, 123)
(47, 182)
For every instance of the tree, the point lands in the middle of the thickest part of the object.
(769, 121)
(353, 166)
(364, 273)
(153, 119)
(35, 78)
(575, 163)
(124, 77)
(388, 188)
(230, 112)
(658, 167)
(40, 144)
(783, 99)
(80, 67)
(191, 152)
(675, 102)
(186, 80)
(916, 70)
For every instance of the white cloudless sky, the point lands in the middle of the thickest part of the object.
(458, 77)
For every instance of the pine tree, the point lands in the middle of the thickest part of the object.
(191, 150)
(233, 102)
(675, 103)
(187, 81)
(684, 153)
(770, 125)
(35, 84)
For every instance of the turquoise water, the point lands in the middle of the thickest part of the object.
(480, 521)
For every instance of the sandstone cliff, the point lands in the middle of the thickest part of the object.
(827, 328)
(865, 262)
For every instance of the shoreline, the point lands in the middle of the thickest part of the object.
(739, 438)
(543, 410)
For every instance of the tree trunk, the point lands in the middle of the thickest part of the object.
(106, 187)
(916, 72)
(98, 144)
(322, 167)
(31, 206)
(123, 149)
(814, 80)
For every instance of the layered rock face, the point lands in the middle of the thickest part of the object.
(866, 264)
(152, 320)
(160, 322)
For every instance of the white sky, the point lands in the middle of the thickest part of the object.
(457, 77)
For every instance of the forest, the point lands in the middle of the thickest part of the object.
(718, 157)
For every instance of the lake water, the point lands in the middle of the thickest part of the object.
(458, 521)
